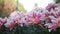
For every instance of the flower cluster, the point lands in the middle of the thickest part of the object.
(14, 19)
(50, 17)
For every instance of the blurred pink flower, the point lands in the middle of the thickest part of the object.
(2, 22)
(10, 24)
(14, 19)
(51, 26)
(33, 18)
(58, 14)
(51, 6)
(55, 24)
(17, 16)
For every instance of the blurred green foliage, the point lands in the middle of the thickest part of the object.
(21, 8)
(57, 1)
(1, 6)
(8, 9)
(31, 29)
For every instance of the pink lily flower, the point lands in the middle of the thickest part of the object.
(2, 22)
(14, 19)
(51, 6)
(33, 18)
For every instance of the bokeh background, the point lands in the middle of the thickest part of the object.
(8, 6)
